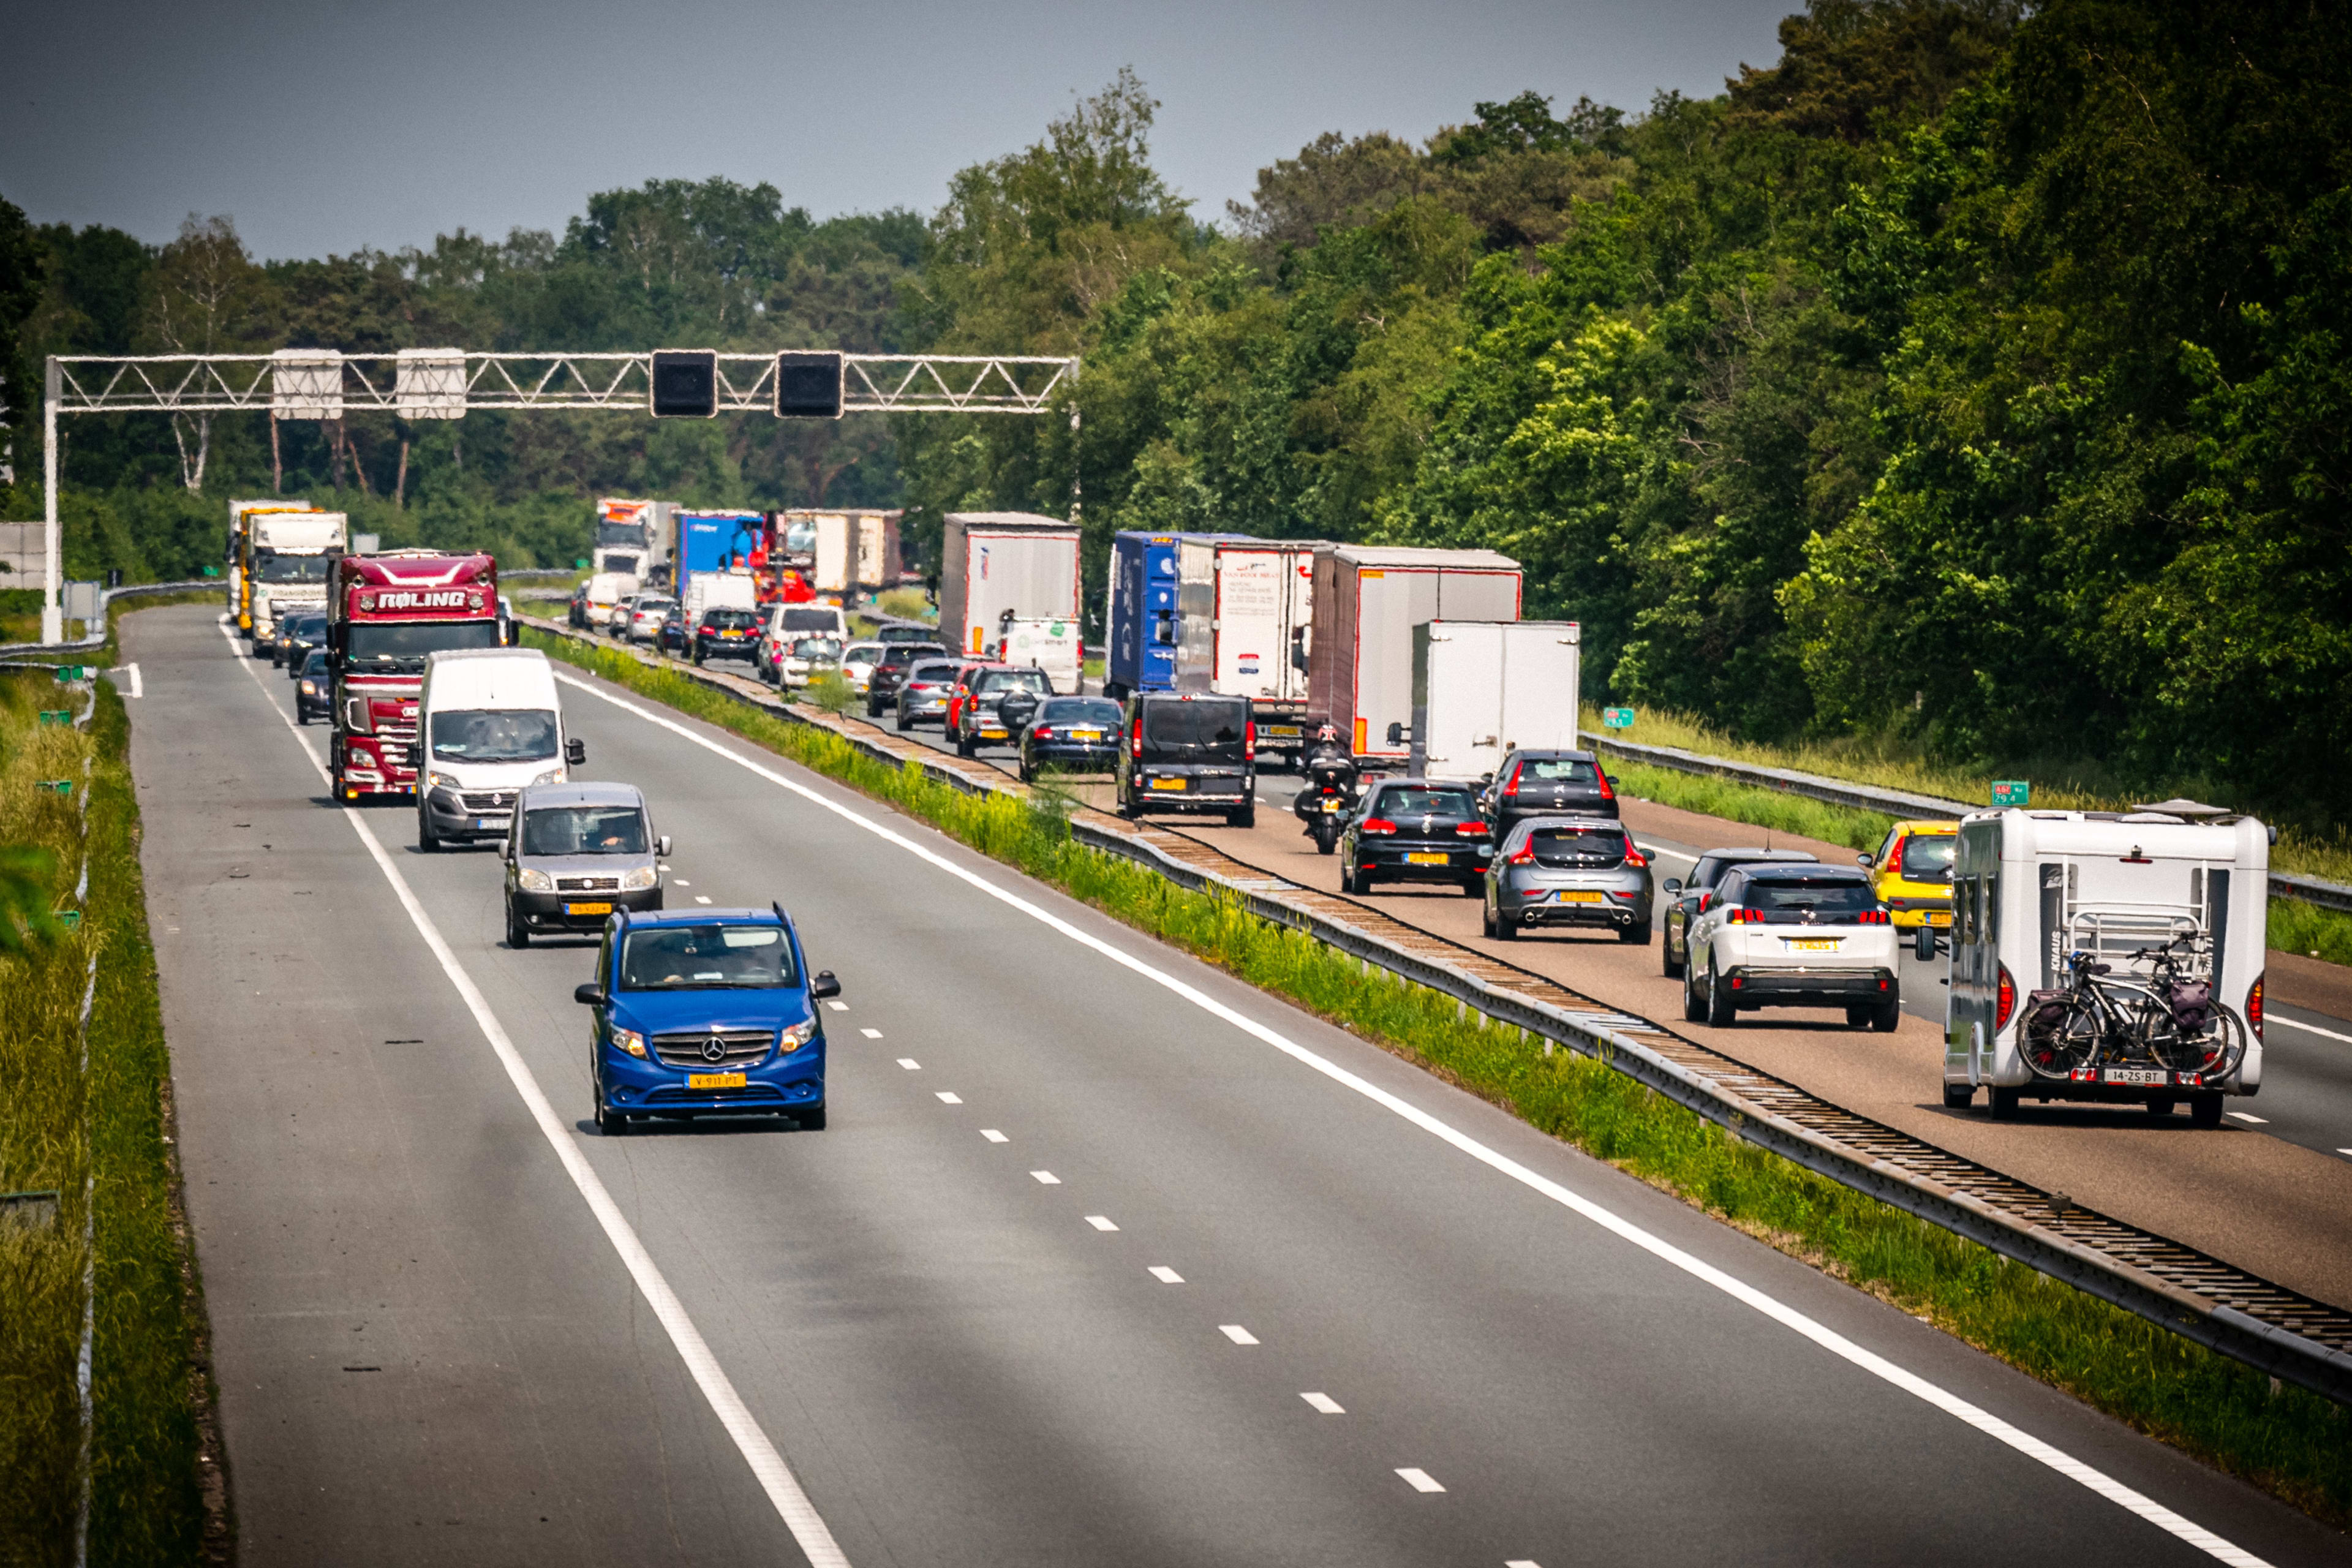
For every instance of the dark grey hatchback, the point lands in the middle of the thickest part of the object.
(1548, 784)
(575, 853)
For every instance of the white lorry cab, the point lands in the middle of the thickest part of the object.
(488, 722)
(290, 554)
(2107, 956)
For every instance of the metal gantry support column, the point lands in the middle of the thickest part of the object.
(53, 618)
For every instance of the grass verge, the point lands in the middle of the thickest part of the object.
(60, 1127)
(2295, 1444)
(1752, 804)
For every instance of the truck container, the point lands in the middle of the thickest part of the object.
(1238, 602)
(240, 512)
(849, 553)
(490, 722)
(992, 561)
(1141, 623)
(290, 555)
(388, 613)
(1358, 645)
(1480, 687)
(717, 541)
(2030, 889)
(635, 538)
(1051, 646)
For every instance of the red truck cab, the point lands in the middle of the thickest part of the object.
(385, 613)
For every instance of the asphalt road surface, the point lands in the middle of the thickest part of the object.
(1105, 1257)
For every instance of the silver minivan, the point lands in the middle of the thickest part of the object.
(575, 853)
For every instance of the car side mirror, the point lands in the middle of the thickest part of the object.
(506, 850)
(575, 753)
(824, 985)
(589, 995)
(1485, 779)
(1674, 884)
(661, 846)
(1865, 861)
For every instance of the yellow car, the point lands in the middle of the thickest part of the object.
(1913, 872)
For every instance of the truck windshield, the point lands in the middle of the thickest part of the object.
(1194, 723)
(494, 735)
(292, 568)
(396, 645)
(621, 533)
(701, 958)
(584, 830)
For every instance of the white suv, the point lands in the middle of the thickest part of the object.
(1793, 936)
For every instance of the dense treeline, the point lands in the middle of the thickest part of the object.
(1976, 372)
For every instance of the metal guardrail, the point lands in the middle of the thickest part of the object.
(2211, 1320)
(1891, 803)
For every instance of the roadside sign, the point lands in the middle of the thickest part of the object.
(56, 715)
(2011, 792)
(212, 571)
(1617, 718)
(579, 564)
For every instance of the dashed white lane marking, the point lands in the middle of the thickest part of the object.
(700, 899)
(910, 1063)
(949, 1097)
(2257, 1120)
(993, 1136)
(137, 687)
(838, 1007)
(2309, 1028)
(2008, 1433)
(1522, 1562)
(1165, 1275)
(681, 882)
(1325, 1403)
(1420, 1480)
(1235, 1333)
(871, 1034)
(776, 1478)
(1046, 1178)
(1102, 1222)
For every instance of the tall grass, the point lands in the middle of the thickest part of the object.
(2295, 1444)
(1735, 802)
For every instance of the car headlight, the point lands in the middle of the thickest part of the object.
(793, 1038)
(531, 881)
(309, 689)
(553, 775)
(441, 781)
(638, 880)
(629, 1040)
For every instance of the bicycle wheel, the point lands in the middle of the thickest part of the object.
(2056, 1041)
(2213, 1051)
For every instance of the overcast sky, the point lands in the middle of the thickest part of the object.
(324, 126)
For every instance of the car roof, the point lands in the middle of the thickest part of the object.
(1552, 753)
(702, 916)
(1572, 819)
(559, 795)
(1793, 857)
(1813, 873)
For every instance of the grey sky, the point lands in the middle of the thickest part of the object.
(325, 126)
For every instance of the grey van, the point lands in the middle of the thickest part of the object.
(575, 853)
(1188, 753)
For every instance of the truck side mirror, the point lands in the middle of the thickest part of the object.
(1396, 734)
(575, 753)
(824, 985)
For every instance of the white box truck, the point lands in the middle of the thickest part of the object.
(2040, 895)
(853, 551)
(1239, 603)
(992, 562)
(290, 555)
(487, 722)
(1480, 687)
(718, 591)
(1367, 601)
(240, 548)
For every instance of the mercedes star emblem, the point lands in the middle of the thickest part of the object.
(714, 1050)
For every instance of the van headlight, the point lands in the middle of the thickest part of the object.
(638, 880)
(531, 881)
(629, 1040)
(441, 781)
(793, 1038)
(553, 775)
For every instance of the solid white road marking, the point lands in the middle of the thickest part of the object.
(1420, 1480)
(1046, 1178)
(2257, 1120)
(2014, 1437)
(1165, 1275)
(1653, 849)
(776, 1478)
(2307, 1028)
(1235, 1333)
(871, 1034)
(910, 1063)
(949, 1097)
(993, 1136)
(1102, 1222)
(137, 687)
(1325, 1403)
(2344, 1150)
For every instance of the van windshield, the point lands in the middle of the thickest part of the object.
(1194, 723)
(691, 957)
(494, 735)
(583, 830)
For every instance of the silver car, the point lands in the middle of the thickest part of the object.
(647, 613)
(1569, 871)
(925, 695)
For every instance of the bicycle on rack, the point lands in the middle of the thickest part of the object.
(2162, 1031)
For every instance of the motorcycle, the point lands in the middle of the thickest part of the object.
(1328, 794)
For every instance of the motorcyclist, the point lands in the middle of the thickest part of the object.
(1328, 770)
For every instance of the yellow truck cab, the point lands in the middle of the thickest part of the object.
(1913, 872)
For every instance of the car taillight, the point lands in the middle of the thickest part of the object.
(1378, 825)
(1512, 786)
(1634, 856)
(2005, 1002)
(1134, 741)
(1471, 830)
(1526, 856)
(1740, 916)
(1870, 917)
(1042, 732)
(1249, 740)
(1608, 790)
(2255, 1007)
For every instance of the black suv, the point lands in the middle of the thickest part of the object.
(1684, 905)
(890, 671)
(1548, 784)
(1185, 752)
(727, 634)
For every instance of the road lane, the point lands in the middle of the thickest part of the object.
(961, 1366)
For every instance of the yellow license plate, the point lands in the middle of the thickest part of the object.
(714, 1080)
(991, 734)
(1581, 896)
(1426, 857)
(1086, 734)
(1803, 944)
(606, 909)
(1942, 919)
(1281, 731)
(731, 634)
(1334, 805)
(1167, 784)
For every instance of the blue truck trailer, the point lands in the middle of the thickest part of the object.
(1142, 619)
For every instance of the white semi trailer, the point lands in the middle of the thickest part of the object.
(996, 561)
(1240, 605)
(1367, 603)
(1480, 688)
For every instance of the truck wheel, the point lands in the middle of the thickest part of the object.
(1959, 1096)
(2205, 1110)
(518, 933)
(1721, 1012)
(2001, 1103)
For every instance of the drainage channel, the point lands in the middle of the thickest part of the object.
(2290, 1335)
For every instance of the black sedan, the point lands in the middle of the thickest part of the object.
(727, 634)
(1416, 830)
(890, 672)
(296, 635)
(1548, 784)
(1071, 734)
(314, 688)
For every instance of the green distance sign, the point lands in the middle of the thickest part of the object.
(2011, 792)
(1617, 718)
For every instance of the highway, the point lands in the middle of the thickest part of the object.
(1103, 1257)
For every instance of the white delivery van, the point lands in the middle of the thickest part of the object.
(607, 592)
(817, 619)
(1481, 688)
(718, 591)
(487, 723)
(1051, 646)
(2042, 899)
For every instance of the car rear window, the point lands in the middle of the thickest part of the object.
(933, 672)
(1014, 680)
(1555, 770)
(583, 830)
(862, 653)
(1424, 803)
(1577, 846)
(736, 619)
(1195, 723)
(701, 958)
(1825, 898)
(815, 647)
(806, 620)
(908, 653)
(1928, 858)
(1080, 710)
